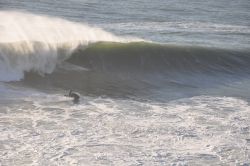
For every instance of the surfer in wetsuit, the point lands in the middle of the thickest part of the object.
(75, 96)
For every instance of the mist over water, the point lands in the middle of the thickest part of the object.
(160, 83)
(38, 43)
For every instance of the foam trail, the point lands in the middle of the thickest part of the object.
(37, 43)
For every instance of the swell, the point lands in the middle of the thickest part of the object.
(153, 57)
(33, 43)
(131, 58)
(148, 69)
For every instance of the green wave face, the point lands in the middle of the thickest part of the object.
(149, 57)
(125, 69)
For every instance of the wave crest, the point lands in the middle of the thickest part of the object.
(30, 42)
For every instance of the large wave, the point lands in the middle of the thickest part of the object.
(153, 57)
(147, 69)
(31, 42)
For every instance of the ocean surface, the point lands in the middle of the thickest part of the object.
(162, 82)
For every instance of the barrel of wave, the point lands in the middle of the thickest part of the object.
(38, 43)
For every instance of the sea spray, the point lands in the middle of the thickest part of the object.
(30, 42)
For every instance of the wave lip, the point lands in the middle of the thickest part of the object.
(19, 26)
(31, 42)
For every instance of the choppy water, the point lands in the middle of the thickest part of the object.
(161, 83)
(44, 129)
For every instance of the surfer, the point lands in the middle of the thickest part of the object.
(74, 95)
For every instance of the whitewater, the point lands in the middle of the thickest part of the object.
(160, 83)
(36, 47)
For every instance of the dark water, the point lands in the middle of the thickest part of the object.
(161, 83)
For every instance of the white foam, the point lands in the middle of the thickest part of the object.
(30, 42)
(19, 26)
(201, 129)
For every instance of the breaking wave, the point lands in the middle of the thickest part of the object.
(32, 43)
(152, 57)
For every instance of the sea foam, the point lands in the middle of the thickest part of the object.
(30, 42)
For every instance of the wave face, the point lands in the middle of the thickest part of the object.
(31, 42)
(152, 57)
(33, 46)
(148, 69)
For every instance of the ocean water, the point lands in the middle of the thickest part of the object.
(160, 82)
